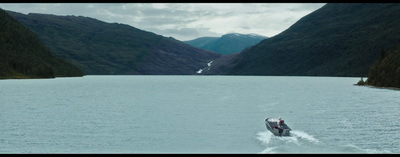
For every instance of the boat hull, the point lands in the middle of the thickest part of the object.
(285, 131)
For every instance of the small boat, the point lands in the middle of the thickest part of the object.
(281, 130)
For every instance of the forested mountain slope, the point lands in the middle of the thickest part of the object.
(23, 55)
(339, 39)
(100, 48)
(386, 71)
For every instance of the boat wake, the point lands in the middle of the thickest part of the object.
(302, 142)
(286, 144)
(305, 136)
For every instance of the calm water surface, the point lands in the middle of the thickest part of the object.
(196, 114)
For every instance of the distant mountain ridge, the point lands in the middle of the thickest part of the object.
(23, 55)
(339, 39)
(228, 43)
(202, 41)
(100, 48)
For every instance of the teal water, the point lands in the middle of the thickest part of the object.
(196, 114)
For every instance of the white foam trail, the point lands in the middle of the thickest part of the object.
(268, 151)
(289, 139)
(304, 135)
(368, 151)
(302, 142)
(264, 137)
(374, 151)
(297, 142)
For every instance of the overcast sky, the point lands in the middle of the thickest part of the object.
(183, 21)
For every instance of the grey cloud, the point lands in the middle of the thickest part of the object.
(306, 7)
(185, 34)
(183, 21)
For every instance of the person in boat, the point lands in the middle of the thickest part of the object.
(279, 126)
(281, 123)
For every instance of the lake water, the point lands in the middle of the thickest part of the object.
(196, 114)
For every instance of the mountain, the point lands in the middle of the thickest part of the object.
(339, 39)
(386, 71)
(202, 42)
(23, 55)
(228, 43)
(100, 48)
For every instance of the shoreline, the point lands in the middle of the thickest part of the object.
(371, 86)
(29, 78)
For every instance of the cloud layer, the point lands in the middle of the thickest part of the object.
(183, 21)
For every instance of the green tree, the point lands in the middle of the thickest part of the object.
(386, 71)
(22, 55)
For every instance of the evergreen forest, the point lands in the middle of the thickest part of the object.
(22, 55)
(386, 71)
